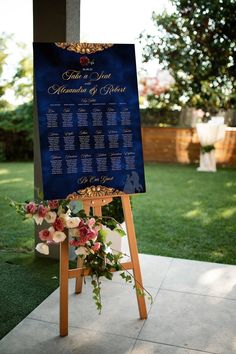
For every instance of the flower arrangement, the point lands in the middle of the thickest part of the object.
(62, 219)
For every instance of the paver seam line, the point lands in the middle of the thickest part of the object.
(36, 319)
(122, 336)
(152, 303)
(84, 328)
(175, 346)
(204, 295)
(164, 278)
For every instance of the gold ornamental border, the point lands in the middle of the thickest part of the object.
(84, 48)
(95, 191)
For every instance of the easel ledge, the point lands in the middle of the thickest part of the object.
(96, 202)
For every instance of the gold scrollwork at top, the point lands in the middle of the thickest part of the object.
(84, 48)
(94, 191)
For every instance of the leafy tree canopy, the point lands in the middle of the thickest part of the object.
(16, 119)
(22, 81)
(197, 44)
(3, 59)
(16, 77)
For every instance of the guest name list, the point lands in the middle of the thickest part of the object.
(88, 119)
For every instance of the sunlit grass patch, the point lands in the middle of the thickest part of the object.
(187, 214)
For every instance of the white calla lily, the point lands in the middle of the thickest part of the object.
(38, 219)
(58, 236)
(51, 217)
(42, 248)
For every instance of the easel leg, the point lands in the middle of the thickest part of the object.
(64, 267)
(134, 254)
(79, 279)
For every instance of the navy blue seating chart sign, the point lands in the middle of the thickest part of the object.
(88, 113)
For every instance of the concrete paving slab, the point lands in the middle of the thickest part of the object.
(37, 337)
(202, 278)
(195, 315)
(192, 321)
(119, 314)
(142, 347)
(154, 270)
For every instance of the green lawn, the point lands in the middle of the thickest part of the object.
(25, 281)
(185, 213)
(16, 182)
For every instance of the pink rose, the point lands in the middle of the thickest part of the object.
(83, 230)
(53, 204)
(84, 234)
(91, 222)
(96, 246)
(81, 223)
(59, 224)
(42, 211)
(31, 208)
(92, 234)
(45, 235)
(74, 243)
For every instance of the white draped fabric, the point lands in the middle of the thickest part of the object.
(209, 134)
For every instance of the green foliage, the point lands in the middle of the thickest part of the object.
(16, 122)
(127, 277)
(20, 82)
(159, 117)
(120, 231)
(207, 148)
(16, 132)
(2, 152)
(19, 207)
(4, 38)
(3, 52)
(114, 209)
(19, 120)
(103, 235)
(90, 244)
(97, 293)
(23, 79)
(196, 43)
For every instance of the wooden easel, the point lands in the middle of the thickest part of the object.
(96, 203)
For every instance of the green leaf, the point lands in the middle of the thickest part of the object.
(120, 231)
(102, 235)
(108, 275)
